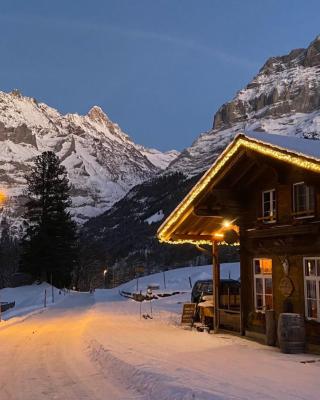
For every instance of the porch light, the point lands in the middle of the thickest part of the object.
(226, 224)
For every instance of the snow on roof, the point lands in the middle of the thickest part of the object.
(306, 147)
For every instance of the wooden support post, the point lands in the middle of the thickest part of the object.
(216, 284)
(242, 289)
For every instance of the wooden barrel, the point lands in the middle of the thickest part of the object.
(291, 333)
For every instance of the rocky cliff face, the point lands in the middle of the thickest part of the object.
(103, 163)
(284, 85)
(283, 98)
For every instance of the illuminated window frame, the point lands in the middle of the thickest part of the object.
(264, 277)
(316, 280)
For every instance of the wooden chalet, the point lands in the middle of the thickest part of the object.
(263, 191)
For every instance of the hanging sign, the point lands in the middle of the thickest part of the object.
(286, 286)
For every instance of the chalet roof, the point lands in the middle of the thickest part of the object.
(304, 153)
(300, 146)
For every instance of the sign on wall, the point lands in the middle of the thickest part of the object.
(286, 286)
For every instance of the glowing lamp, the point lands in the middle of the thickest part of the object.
(2, 197)
(226, 223)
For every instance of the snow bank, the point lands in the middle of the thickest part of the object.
(178, 279)
(28, 298)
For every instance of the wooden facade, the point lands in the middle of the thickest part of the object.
(270, 196)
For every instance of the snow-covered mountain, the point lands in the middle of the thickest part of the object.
(283, 98)
(103, 163)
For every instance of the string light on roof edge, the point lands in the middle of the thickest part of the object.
(249, 143)
(199, 242)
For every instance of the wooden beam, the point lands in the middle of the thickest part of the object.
(258, 172)
(216, 284)
(221, 174)
(214, 212)
(178, 236)
(285, 230)
(243, 172)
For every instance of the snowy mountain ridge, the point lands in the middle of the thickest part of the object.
(103, 163)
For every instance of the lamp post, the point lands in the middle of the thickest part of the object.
(105, 277)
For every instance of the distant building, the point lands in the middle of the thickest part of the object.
(263, 191)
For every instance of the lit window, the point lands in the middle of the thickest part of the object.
(269, 206)
(303, 200)
(312, 287)
(262, 270)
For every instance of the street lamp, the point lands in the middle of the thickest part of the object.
(105, 277)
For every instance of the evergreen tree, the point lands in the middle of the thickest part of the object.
(9, 253)
(49, 247)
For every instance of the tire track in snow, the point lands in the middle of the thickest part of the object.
(149, 385)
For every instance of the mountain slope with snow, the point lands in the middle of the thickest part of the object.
(102, 162)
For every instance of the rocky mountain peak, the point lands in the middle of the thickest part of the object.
(283, 98)
(96, 114)
(285, 84)
(312, 56)
(102, 162)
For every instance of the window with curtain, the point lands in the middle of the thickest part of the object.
(303, 200)
(312, 287)
(262, 270)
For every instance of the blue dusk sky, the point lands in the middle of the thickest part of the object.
(159, 68)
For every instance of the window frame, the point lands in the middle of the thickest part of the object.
(271, 219)
(315, 278)
(263, 277)
(308, 213)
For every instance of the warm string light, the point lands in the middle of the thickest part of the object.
(277, 152)
(187, 241)
(195, 191)
(199, 242)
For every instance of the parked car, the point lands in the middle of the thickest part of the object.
(201, 288)
(229, 292)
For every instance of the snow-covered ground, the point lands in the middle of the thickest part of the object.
(29, 299)
(97, 347)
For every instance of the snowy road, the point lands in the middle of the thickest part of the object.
(44, 357)
(96, 347)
